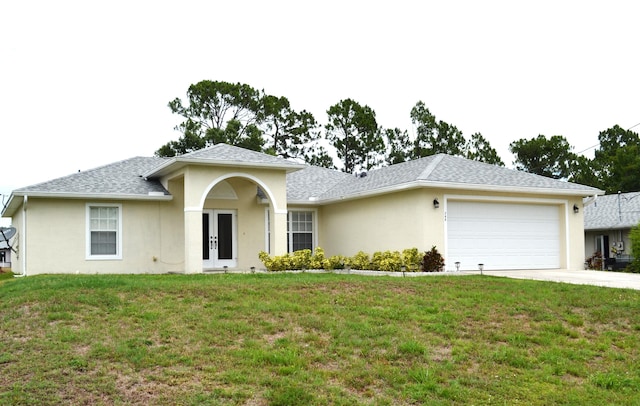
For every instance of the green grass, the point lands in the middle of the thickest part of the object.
(294, 339)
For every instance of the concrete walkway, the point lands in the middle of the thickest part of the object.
(597, 278)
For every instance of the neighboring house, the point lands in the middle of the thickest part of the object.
(218, 207)
(5, 254)
(7, 240)
(607, 223)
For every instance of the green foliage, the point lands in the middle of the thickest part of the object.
(618, 160)
(359, 261)
(434, 136)
(300, 260)
(411, 259)
(546, 157)
(634, 238)
(478, 148)
(215, 112)
(287, 132)
(387, 261)
(334, 262)
(614, 167)
(398, 146)
(237, 114)
(353, 131)
(432, 261)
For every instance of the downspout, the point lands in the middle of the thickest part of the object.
(23, 236)
(590, 200)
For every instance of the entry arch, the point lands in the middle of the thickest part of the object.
(276, 207)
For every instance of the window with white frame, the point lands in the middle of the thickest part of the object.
(104, 231)
(300, 230)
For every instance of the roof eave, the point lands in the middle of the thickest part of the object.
(111, 196)
(178, 163)
(458, 186)
(10, 208)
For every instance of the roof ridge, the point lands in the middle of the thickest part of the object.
(435, 161)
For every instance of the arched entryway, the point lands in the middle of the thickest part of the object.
(235, 210)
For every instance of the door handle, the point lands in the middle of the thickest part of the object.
(211, 242)
(215, 242)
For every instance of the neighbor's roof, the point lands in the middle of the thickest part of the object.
(612, 212)
(224, 155)
(439, 170)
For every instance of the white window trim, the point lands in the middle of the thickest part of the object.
(88, 255)
(314, 224)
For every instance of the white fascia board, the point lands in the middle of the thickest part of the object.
(102, 196)
(10, 206)
(456, 186)
(516, 189)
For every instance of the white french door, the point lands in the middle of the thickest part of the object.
(219, 240)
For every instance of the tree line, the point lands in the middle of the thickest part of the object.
(238, 114)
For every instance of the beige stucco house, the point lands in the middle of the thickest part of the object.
(220, 206)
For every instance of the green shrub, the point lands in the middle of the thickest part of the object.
(432, 261)
(300, 259)
(318, 259)
(359, 261)
(634, 238)
(411, 259)
(388, 261)
(276, 263)
(334, 262)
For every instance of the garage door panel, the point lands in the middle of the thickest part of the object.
(503, 235)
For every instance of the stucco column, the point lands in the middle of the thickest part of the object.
(192, 240)
(280, 233)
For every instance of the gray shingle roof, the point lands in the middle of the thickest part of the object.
(230, 153)
(120, 178)
(611, 212)
(224, 154)
(438, 170)
(312, 182)
(132, 177)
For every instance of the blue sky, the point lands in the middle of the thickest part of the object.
(85, 84)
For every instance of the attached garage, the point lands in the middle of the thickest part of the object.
(503, 235)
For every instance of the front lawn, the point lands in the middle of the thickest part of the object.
(281, 339)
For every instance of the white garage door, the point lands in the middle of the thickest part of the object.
(502, 235)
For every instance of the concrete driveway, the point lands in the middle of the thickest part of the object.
(597, 278)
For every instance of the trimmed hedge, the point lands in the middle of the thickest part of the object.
(409, 260)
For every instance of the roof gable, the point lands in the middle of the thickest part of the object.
(224, 155)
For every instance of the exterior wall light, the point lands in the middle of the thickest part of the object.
(436, 203)
(576, 209)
